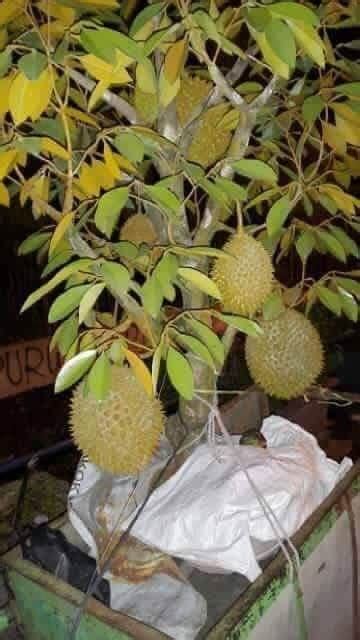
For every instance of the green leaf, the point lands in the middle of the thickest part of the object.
(116, 351)
(258, 18)
(200, 280)
(144, 16)
(214, 191)
(74, 369)
(305, 244)
(312, 107)
(66, 302)
(329, 299)
(157, 38)
(209, 338)
(273, 306)
(255, 169)
(348, 243)
(332, 244)
(34, 242)
(109, 208)
(281, 40)
(116, 277)
(30, 144)
(250, 327)
(349, 285)
(89, 300)
(32, 64)
(130, 146)
(231, 189)
(180, 373)
(277, 215)
(99, 377)
(50, 127)
(152, 297)
(349, 89)
(65, 335)
(57, 261)
(166, 199)
(207, 24)
(196, 346)
(210, 252)
(349, 305)
(309, 40)
(295, 11)
(103, 43)
(5, 62)
(77, 266)
(126, 249)
(165, 272)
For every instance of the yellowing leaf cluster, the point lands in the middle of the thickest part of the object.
(30, 98)
(37, 190)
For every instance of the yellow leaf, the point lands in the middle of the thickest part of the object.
(125, 164)
(103, 178)
(174, 60)
(102, 70)
(344, 201)
(7, 162)
(348, 130)
(5, 84)
(309, 40)
(29, 98)
(111, 163)
(4, 196)
(270, 57)
(86, 181)
(346, 113)
(145, 77)
(353, 164)
(98, 93)
(39, 194)
(99, 4)
(64, 224)
(10, 9)
(76, 114)
(167, 91)
(332, 138)
(48, 144)
(3, 38)
(141, 371)
(65, 15)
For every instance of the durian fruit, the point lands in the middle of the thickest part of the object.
(120, 433)
(146, 105)
(193, 90)
(288, 357)
(138, 229)
(245, 277)
(211, 140)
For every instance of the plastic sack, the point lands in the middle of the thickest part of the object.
(159, 601)
(208, 514)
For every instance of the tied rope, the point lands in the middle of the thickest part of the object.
(215, 423)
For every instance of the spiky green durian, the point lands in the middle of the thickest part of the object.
(245, 276)
(288, 357)
(120, 433)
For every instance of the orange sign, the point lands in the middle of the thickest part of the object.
(27, 365)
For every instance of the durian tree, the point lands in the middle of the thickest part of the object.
(175, 154)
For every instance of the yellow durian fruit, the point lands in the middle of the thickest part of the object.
(193, 91)
(120, 433)
(211, 140)
(138, 229)
(288, 357)
(245, 276)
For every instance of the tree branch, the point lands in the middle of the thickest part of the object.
(122, 107)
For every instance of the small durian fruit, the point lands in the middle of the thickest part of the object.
(146, 105)
(211, 140)
(288, 357)
(120, 433)
(245, 277)
(193, 90)
(138, 229)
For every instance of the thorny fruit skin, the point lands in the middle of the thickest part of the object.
(288, 357)
(120, 433)
(245, 276)
(138, 229)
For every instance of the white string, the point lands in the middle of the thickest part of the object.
(215, 419)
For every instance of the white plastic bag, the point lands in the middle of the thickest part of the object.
(208, 514)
